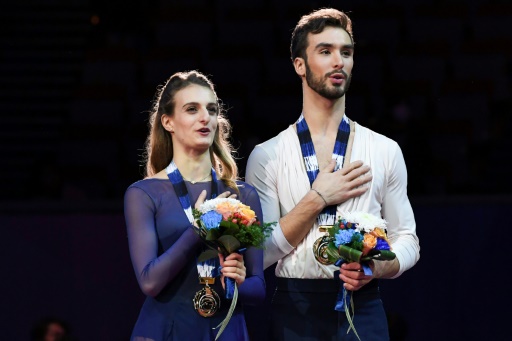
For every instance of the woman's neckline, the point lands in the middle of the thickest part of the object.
(167, 179)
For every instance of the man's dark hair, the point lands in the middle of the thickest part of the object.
(315, 22)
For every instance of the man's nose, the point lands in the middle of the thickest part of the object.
(338, 61)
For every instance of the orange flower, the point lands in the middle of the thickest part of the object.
(380, 233)
(226, 209)
(246, 212)
(369, 243)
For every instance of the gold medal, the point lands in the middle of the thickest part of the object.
(206, 301)
(320, 245)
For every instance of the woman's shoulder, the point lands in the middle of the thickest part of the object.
(244, 185)
(151, 186)
(245, 189)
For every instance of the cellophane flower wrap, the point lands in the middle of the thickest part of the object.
(357, 237)
(226, 225)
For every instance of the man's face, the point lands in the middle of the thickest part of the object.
(329, 62)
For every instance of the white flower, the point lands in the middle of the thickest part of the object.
(364, 221)
(210, 205)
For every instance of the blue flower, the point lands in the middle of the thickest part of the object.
(211, 219)
(343, 237)
(381, 244)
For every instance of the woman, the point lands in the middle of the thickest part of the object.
(188, 142)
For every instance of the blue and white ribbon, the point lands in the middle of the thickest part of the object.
(208, 267)
(328, 214)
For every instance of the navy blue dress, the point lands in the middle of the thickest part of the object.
(163, 249)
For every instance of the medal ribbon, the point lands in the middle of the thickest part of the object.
(207, 267)
(328, 214)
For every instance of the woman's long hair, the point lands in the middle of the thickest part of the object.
(158, 146)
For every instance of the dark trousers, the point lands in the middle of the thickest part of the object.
(303, 310)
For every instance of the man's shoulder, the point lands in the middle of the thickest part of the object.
(372, 135)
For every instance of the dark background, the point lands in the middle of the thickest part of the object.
(77, 79)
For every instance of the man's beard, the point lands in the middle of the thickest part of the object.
(320, 86)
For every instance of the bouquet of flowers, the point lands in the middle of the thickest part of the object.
(226, 226)
(357, 237)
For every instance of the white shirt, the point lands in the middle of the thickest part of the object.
(276, 169)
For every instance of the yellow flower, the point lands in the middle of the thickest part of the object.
(246, 212)
(369, 243)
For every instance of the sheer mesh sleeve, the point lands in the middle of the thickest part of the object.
(153, 272)
(252, 291)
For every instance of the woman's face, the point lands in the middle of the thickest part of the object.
(194, 122)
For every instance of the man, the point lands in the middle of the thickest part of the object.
(304, 177)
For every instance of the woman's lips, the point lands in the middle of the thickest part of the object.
(204, 131)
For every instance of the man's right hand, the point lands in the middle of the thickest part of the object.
(338, 186)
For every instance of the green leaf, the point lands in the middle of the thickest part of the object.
(333, 230)
(373, 252)
(226, 224)
(208, 254)
(332, 252)
(380, 255)
(230, 243)
(231, 230)
(196, 213)
(212, 234)
(350, 254)
(385, 255)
